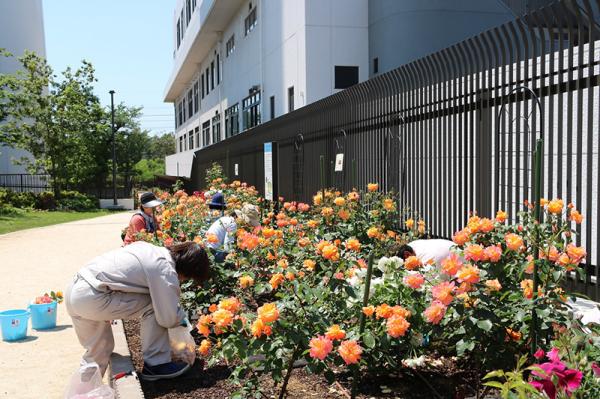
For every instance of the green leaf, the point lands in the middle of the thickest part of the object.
(485, 325)
(369, 340)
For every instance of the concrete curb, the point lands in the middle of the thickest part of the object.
(128, 386)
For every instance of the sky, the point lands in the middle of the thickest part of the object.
(129, 42)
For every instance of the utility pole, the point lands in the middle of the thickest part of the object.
(114, 151)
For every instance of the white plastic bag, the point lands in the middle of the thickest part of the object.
(183, 346)
(86, 383)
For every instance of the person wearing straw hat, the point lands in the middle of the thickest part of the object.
(144, 218)
(221, 234)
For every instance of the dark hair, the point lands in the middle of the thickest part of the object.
(191, 260)
(405, 249)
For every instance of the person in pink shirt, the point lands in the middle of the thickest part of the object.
(144, 219)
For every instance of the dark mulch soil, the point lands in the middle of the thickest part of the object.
(213, 383)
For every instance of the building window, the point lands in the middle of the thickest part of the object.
(251, 110)
(185, 143)
(212, 75)
(375, 65)
(206, 133)
(232, 123)
(345, 76)
(196, 97)
(178, 33)
(175, 112)
(190, 100)
(188, 11)
(216, 128)
(180, 113)
(250, 21)
(206, 76)
(218, 69)
(290, 99)
(182, 24)
(197, 134)
(230, 46)
(180, 143)
(272, 107)
(184, 109)
(202, 80)
(193, 5)
(191, 139)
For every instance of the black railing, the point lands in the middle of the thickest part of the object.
(37, 183)
(450, 131)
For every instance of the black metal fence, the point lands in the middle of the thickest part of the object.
(453, 132)
(37, 183)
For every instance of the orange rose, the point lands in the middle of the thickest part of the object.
(205, 347)
(268, 312)
(350, 351)
(246, 281)
(327, 212)
(232, 304)
(303, 242)
(576, 217)
(320, 347)
(203, 325)
(421, 227)
(343, 214)
(282, 263)
(451, 264)
(276, 280)
(435, 312)
(443, 292)
(527, 287)
(353, 245)
(384, 311)
(309, 264)
(222, 318)
(475, 253)
(501, 216)
(268, 232)
(334, 333)
(331, 252)
(493, 253)
(486, 225)
(372, 187)
(543, 202)
(461, 237)
(389, 204)
(257, 328)
(513, 242)
(473, 223)
(290, 276)
(373, 232)
(318, 199)
(339, 201)
(397, 326)
(412, 263)
(576, 254)
(414, 281)
(368, 310)
(493, 285)
(400, 311)
(468, 274)
(410, 223)
(556, 206)
(212, 238)
(513, 335)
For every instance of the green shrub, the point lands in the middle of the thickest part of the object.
(76, 201)
(16, 199)
(9, 210)
(45, 201)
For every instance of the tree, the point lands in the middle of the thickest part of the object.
(60, 122)
(161, 146)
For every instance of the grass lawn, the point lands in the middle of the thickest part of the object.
(30, 219)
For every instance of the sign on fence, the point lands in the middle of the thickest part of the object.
(271, 175)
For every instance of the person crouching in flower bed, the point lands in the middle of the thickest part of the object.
(220, 236)
(143, 219)
(427, 251)
(139, 280)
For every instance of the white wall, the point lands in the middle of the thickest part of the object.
(21, 28)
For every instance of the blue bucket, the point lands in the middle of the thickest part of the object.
(14, 324)
(43, 316)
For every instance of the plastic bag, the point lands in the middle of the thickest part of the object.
(183, 347)
(86, 383)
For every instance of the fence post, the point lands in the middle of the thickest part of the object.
(21, 176)
(483, 171)
(322, 166)
(538, 156)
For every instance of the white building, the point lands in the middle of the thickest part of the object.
(21, 28)
(238, 63)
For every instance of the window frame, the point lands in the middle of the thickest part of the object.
(206, 133)
(251, 116)
(216, 122)
(230, 45)
(250, 21)
(232, 120)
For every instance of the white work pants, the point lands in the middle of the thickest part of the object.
(92, 311)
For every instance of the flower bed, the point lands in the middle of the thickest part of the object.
(299, 287)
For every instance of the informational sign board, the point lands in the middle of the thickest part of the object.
(236, 170)
(268, 153)
(339, 162)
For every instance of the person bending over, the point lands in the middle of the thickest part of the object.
(434, 250)
(139, 280)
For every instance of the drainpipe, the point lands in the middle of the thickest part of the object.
(262, 69)
(220, 76)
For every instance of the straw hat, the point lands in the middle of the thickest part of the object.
(249, 214)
